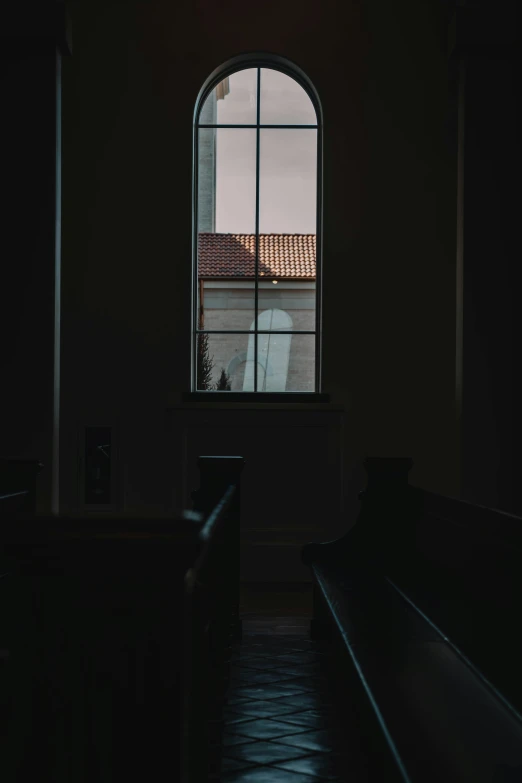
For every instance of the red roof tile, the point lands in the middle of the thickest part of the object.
(280, 256)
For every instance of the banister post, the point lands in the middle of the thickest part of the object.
(217, 473)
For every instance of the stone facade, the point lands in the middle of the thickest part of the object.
(285, 362)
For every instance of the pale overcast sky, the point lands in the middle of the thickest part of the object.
(288, 158)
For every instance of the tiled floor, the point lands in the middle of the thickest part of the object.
(283, 723)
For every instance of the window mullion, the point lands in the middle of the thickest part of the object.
(195, 282)
(256, 270)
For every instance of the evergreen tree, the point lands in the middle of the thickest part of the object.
(224, 382)
(205, 363)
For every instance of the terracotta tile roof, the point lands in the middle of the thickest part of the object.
(280, 256)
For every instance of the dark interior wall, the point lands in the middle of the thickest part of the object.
(492, 357)
(381, 71)
(27, 258)
(398, 267)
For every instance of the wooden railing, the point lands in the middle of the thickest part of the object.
(216, 473)
(18, 479)
(209, 606)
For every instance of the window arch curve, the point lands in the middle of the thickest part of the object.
(257, 226)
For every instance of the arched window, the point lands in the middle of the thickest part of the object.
(256, 307)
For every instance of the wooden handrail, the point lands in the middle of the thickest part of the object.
(212, 527)
(13, 495)
(216, 516)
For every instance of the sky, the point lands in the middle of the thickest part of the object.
(287, 157)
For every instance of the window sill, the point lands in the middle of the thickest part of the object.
(255, 397)
(258, 401)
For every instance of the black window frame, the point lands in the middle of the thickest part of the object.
(244, 62)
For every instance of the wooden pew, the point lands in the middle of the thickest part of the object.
(410, 600)
(18, 479)
(117, 626)
(217, 472)
(462, 569)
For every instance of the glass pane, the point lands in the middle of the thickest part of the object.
(222, 361)
(274, 320)
(288, 181)
(233, 101)
(226, 228)
(301, 367)
(273, 353)
(284, 101)
(227, 304)
(296, 299)
(227, 181)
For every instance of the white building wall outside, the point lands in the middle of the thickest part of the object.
(230, 305)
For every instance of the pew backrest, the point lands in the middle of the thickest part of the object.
(476, 547)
